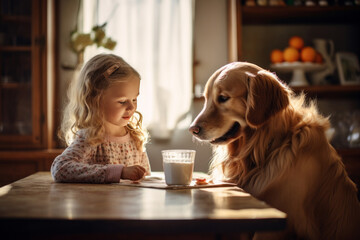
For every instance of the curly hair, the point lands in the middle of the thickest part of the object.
(84, 94)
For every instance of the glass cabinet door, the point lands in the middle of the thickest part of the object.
(20, 83)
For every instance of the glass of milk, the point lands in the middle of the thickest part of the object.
(178, 166)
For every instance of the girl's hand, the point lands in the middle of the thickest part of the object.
(133, 173)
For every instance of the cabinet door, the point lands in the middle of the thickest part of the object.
(22, 78)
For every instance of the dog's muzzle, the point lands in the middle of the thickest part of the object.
(233, 132)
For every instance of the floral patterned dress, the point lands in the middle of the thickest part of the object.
(81, 162)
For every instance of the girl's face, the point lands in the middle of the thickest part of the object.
(118, 104)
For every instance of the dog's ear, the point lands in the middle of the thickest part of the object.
(266, 97)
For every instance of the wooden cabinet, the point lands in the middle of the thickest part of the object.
(24, 90)
(15, 165)
(255, 31)
(23, 74)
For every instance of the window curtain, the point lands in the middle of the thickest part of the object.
(156, 38)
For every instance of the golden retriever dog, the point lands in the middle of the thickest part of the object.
(273, 144)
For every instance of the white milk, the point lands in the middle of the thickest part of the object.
(178, 173)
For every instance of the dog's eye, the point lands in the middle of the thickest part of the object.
(222, 99)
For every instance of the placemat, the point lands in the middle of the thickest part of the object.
(158, 181)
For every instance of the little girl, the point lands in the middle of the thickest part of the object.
(105, 139)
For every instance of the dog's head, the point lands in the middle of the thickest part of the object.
(237, 95)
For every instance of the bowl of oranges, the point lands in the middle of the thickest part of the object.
(298, 59)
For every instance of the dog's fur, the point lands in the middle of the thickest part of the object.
(273, 145)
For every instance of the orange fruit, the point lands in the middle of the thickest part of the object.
(319, 58)
(308, 54)
(276, 56)
(296, 42)
(291, 54)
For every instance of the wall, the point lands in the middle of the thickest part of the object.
(210, 50)
(66, 57)
(211, 37)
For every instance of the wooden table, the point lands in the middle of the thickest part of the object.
(37, 207)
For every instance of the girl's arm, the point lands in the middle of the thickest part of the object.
(75, 165)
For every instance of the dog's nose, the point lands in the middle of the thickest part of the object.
(195, 129)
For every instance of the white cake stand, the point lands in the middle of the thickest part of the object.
(298, 69)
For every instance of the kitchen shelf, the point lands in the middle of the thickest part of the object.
(300, 15)
(323, 91)
(13, 85)
(15, 18)
(15, 48)
(348, 151)
(330, 91)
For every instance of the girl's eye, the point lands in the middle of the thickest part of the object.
(135, 100)
(222, 98)
(122, 102)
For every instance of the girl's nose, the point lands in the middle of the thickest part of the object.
(131, 106)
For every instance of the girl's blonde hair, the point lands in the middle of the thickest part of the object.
(84, 94)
